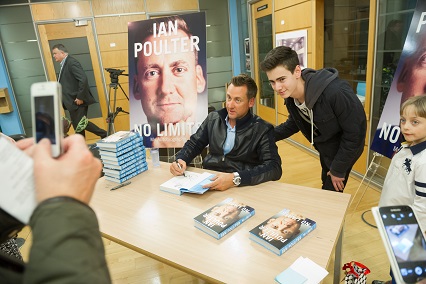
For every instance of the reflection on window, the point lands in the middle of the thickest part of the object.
(264, 34)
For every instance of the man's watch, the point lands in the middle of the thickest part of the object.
(236, 179)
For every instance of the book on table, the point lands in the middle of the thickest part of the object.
(224, 217)
(282, 231)
(128, 176)
(134, 147)
(122, 173)
(132, 163)
(116, 141)
(192, 183)
(135, 150)
(124, 159)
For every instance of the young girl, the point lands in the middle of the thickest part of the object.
(405, 182)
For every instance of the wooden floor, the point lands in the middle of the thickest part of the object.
(361, 242)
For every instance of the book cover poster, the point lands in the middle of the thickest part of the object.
(224, 214)
(282, 228)
(409, 80)
(167, 78)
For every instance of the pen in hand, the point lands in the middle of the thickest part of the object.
(121, 185)
(180, 167)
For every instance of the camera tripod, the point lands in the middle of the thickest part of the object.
(114, 73)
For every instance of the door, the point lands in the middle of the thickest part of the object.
(261, 19)
(80, 43)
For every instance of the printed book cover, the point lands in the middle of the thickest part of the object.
(282, 231)
(223, 217)
(117, 139)
(192, 183)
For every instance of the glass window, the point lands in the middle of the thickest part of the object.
(393, 21)
(346, 40)
(264, 34)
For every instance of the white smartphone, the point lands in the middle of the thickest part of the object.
(404, 242)
(46, 102)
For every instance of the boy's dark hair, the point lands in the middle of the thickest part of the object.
(280, 55)
(419, 103)
(245, 80)
(61, 47)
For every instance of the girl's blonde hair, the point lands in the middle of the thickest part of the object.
(419, 103)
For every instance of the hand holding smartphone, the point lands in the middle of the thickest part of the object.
(46, 101)
(404, 242)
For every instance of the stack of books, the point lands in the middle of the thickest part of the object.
(123, 156)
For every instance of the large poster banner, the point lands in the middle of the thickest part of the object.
(167, 78)
(409, 80)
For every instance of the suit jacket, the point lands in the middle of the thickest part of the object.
(74, 84)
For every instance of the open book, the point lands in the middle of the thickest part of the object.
(192, 183)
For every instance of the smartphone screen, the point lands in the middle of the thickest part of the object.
(407, 241)
(44, 107)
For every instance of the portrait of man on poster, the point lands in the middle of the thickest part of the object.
(168, 82)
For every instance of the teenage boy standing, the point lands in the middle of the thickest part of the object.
(324, 108)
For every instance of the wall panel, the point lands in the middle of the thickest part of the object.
(280, 4)
(109, 7)
(111, 42)
(111, 25)
(61, 10)
(292, 19)
(115, 59)
(155, 6)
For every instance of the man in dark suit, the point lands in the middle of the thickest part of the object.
(76, 95)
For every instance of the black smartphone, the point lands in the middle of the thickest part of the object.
(404, 242)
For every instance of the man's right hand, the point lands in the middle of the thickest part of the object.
(174, 167)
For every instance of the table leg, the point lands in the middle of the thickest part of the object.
(338, 258)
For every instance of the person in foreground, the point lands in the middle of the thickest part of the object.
(67, 246)
(10, 246)
(241, 144)
(405, 182)
(324, 108)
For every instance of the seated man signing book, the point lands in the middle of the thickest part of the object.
(241, 144)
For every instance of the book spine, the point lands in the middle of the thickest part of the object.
(123, 173)
(126, 151)
(137, 141)
(125, 158)
(121, 180)
(121, 152)
(297, 239)
(236, 224)
(124, 141)
(131, 163)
